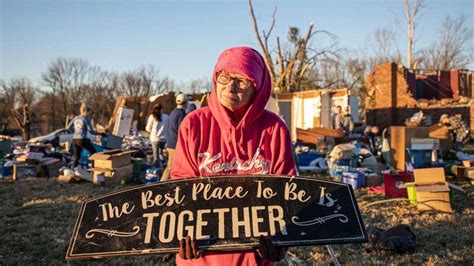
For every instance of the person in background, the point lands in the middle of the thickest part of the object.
(386, 150)
(458, 129)
(234, 130)
(156, 127)
(191, 107)
(81, 126)
(337, 118)
(174, 121)
(347, 123)
(368, 135)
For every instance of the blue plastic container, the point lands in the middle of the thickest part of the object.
(6, 171)
(305, 158)
(355, 179)
(421, 158)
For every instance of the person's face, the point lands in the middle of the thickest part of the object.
(234, 90)
(338, 110)
(374, 130)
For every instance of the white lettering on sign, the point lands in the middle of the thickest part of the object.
(171, 222)
(236, 223)
(257, 220)
(267, 192)
(110, 211)
(208, 192)
(167, 199)
(200, 223)
(291, 194)
(221, 219)
(246, 221)
(181, 228)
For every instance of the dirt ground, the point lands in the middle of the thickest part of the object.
(38, 215)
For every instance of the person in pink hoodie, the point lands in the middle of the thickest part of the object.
(234, 135)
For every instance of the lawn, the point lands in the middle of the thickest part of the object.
(38, 215)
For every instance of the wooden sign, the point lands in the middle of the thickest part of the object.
(221, 213)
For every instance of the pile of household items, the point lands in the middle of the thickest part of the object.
(417, 165)
(117, 160)
(33, 160)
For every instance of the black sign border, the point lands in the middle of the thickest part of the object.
(229, 247)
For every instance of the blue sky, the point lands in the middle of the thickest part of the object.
(184, 38)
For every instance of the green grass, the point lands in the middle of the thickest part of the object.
(38, 215)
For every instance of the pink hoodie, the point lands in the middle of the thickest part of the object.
(211, 142)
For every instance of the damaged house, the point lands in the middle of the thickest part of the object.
(395, 93)
(314, 108)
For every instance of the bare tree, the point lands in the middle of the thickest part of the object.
(383, 48)
(19, 95)
(264, 42)
(100, 93)
(412, 12)
(200, 86)
(295, 59)
(142, 82)
(355, 73)
(66, 78)
(454, 48)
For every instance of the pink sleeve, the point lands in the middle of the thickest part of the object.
(282, 150)
(185, 157)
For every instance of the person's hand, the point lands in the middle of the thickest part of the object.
(268, 251)
(167, 257)
(188, 249)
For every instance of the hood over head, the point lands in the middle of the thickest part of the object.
(248, 62)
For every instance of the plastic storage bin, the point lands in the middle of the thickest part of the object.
(6, 171)
(421, 158)
(355, 179)
(305, 158)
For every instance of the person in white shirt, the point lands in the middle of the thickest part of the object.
(156, 127)
(336, 118)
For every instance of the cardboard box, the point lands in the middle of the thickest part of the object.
(468, 163)
(23, 171)
(432, 190)
(400, 140)
(52, 170)
(469, 173)
(111, 159)
(109, 176)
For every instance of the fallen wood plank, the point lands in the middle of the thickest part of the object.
(321, 132)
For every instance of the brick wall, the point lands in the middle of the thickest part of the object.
(388, 81)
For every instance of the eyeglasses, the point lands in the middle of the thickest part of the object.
(241, 83)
